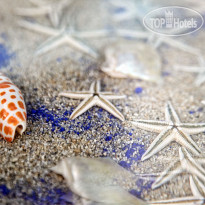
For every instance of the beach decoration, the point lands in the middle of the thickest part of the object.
(189, 165)
(94, 97)
(97, 180)
(170, 130)
(12, 110)
(126, 59)
(54, 10)
(199, 69)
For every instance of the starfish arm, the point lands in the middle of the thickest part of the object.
(81, 46)
(95, 87)
(197, 186)
(170, 113)
(193, 128)
(38, 2)
(200, 79)
(201, 160)
(161, 141)
(189, 200)
(86, 104)
(54, 17)
(51, 43)
(191, 165)
(105, 104)
(168, 174)
(60, 39)
(180, 45)
(32, 11)
(111, 96)
(191, 69)
(38, 28)
(132, 34)
(76, 95)
(92, 34)
(186, 141)
(151, 125)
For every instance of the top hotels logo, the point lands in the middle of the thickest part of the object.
(173, 21)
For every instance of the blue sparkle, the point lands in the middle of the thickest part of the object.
(125, 164)
(200, 109)
(5, 56)
(59, 60)
(108, 138)
(4, 190)
(142, 185)
(191, 112)
(165, 73)
(120, 10)
(138, 90)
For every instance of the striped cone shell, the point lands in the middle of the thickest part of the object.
(12, 110)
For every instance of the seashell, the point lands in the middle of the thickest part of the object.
(132, 60)
(98, 180)
(12, 110)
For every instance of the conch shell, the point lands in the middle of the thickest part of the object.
(12, 110)
(97, 180)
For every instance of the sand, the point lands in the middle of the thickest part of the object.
(50, 135)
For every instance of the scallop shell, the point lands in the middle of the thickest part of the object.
(12, 111)
(132, 60)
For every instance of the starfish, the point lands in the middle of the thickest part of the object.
(195, 69)
(198, 191)
(63, 36)
(170, 130)
(157, 41)
(189, 200)
(52, 9)
(187, 164)
(94, 97)
(196, 179)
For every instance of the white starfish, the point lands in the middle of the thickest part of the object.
(170, 130)
(189, 200)
(63, 36)
(156, 41)
(195, 69)
(186, 164)
(53, 9)
(198, 191)
(189, 165)
(94, 97)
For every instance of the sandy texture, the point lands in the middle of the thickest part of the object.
(50, 136)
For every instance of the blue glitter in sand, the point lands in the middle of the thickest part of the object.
(200, 109)
(59, 60)
(39, 195)
(138, 90)
(4, 190)
(142, 185)
(133, 151)
(5, 56)
(191, 112)
(120, 10)
(49, 116)
(165, 73)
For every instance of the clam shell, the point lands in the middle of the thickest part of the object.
(132, 60)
